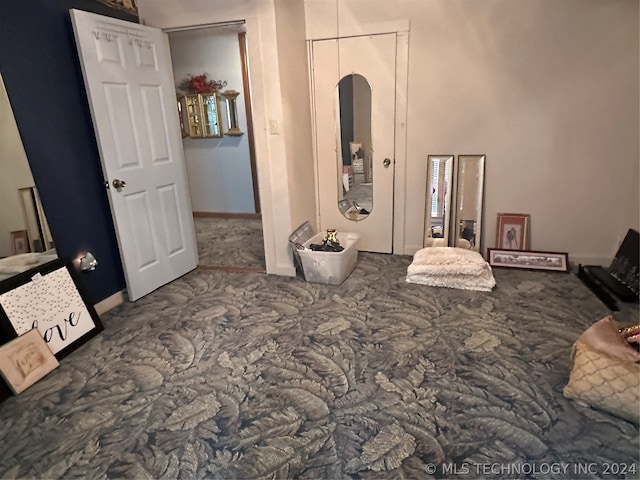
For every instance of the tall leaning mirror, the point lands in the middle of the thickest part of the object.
(467, 223)
(25, 239)
(438, 204)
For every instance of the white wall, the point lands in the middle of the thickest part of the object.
(218, 169)
(546, 89)
(16, 174)
(294, 81)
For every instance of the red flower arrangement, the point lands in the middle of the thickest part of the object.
(200, 84)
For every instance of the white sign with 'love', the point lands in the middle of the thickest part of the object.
(52, 304)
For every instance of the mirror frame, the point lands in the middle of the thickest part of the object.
(34, 223)
(428, 239)
(479, 160)
(359, 104)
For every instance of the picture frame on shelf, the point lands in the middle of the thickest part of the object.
(51, 298)
(512, 232)
(25, 360)
(528, 260)
(20, 242)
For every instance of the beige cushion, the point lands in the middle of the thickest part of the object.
(606, 372)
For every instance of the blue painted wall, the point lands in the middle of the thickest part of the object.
(41, 71)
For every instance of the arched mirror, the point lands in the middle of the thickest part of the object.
(467, 225)
(438, 204)
(25, 239)
(354, 152)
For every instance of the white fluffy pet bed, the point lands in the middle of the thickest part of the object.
(451, 267)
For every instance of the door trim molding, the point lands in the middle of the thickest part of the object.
(399, 181)
(361, 29)
(242, 40)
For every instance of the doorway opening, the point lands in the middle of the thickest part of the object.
(221, 170)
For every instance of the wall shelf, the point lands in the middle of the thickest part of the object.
(200, 115)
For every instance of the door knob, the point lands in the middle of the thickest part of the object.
(386, 162)
(118, 184)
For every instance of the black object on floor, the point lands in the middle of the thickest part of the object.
(625, 267)
(620, 279)
(584, 274)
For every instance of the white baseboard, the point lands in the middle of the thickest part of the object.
(110, 302)
(411, 249)
(283, 270)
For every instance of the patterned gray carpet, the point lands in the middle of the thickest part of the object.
(230, 242)
(244, 375)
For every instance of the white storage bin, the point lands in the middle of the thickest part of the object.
(330, 267)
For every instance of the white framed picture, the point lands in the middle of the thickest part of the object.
(25, 360)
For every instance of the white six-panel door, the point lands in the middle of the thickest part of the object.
(129, 82)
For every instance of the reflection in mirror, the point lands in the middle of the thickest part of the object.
(438, 204)
(25, 239)
(469, 191)
(355, 197)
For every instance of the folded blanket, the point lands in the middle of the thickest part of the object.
(451, 267)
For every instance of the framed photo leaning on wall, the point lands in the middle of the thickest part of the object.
(555, 261)
(513, 231)
(25, 360)
(20, 242)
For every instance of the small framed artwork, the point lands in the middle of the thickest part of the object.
(20, 242)
(51, 299)
(558, 262)
(513, 231)
(25, 360)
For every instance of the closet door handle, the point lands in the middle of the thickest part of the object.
(386, 162)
